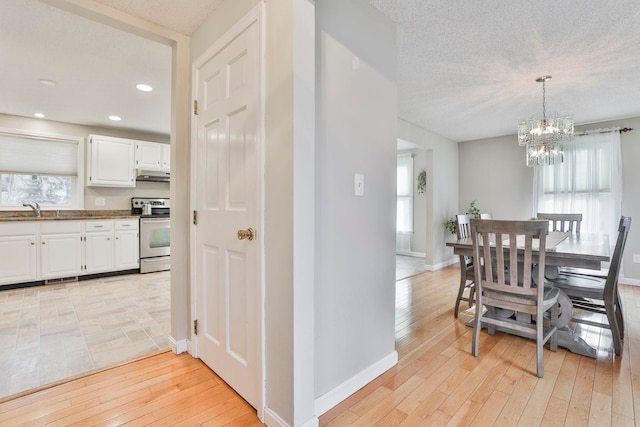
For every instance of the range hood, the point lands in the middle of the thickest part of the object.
(152, 175)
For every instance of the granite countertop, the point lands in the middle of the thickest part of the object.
(49, 215)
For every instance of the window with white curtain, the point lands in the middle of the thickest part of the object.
(40, 167)
(404, 215)
(589, 181)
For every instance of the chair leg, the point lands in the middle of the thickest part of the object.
(472, 291)
(539, 345)
(553, 340)
(477, 326)
(615, 329)
(463, 282)
(619, 316)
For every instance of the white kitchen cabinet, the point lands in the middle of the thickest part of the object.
(111, 162)
(61, 249)
(98, 247)
(166, 157)
(149, 155)
(126, 244)
(18, 252)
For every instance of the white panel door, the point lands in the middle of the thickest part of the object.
(228, 182)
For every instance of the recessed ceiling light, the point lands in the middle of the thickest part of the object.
(38, 115)
(115, 118)
(48, 82)
(144, 88)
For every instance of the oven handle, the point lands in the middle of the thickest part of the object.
(155, 220)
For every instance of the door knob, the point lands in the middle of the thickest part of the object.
(249, 233)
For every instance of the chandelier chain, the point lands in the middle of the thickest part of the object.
(544, 103)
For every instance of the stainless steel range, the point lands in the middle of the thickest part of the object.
(155, 233)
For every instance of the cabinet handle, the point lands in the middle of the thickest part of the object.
(33, 243)
(44, 243)
(98, 226)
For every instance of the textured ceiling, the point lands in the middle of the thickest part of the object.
(466, 69)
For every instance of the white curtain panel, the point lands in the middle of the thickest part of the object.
(589, 181)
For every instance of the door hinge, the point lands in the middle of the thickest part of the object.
(195, 327)
(195, 107)
(195, 217)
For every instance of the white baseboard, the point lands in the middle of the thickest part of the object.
(442, 264)
(355, 383)
(626, 281)
(410, 253)
(273, 419)
(177, 346)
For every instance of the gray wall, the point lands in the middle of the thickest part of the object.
(493, 172)
(356, 133)
(115, 198)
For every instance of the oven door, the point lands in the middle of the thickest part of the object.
(154, 237)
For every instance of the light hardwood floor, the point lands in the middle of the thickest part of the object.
(436, 382)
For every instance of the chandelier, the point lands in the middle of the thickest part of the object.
(544, 136)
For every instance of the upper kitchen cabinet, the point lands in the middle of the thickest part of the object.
(111, 162)
(152, 156)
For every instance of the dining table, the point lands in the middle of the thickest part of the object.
(585, 250)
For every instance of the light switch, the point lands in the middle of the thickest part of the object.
(358, 184)
(100, 201)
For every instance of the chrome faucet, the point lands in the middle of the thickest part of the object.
(34, 206)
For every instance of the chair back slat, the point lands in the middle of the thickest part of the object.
(563, 222)
(518, 279)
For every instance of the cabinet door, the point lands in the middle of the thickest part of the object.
(61, 255)
(166, 157)
(149, 155)
(18, 259)
(111, 162)
(127, 254)
(98, 252)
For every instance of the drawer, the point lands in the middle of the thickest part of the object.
(102, 225)
(19, 228)
(53, 227)
(126, 224)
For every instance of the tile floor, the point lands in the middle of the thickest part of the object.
(53, 332)
(407, 266)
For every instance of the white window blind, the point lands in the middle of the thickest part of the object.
(38, 155)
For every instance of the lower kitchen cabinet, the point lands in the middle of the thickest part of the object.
(61, 249)
(42, 250)
(98, 247)
(18, 253)
(126, 245)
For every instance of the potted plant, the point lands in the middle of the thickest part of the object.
(452, 226)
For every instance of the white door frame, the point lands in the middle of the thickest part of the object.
(256, 14)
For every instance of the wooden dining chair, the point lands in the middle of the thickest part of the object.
(513, 288)
(562, 222)
(600, 294)
(466, 266)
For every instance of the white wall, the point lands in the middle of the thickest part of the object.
(493, 172)
(356, 133)
(442, 188)
(115, 198)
